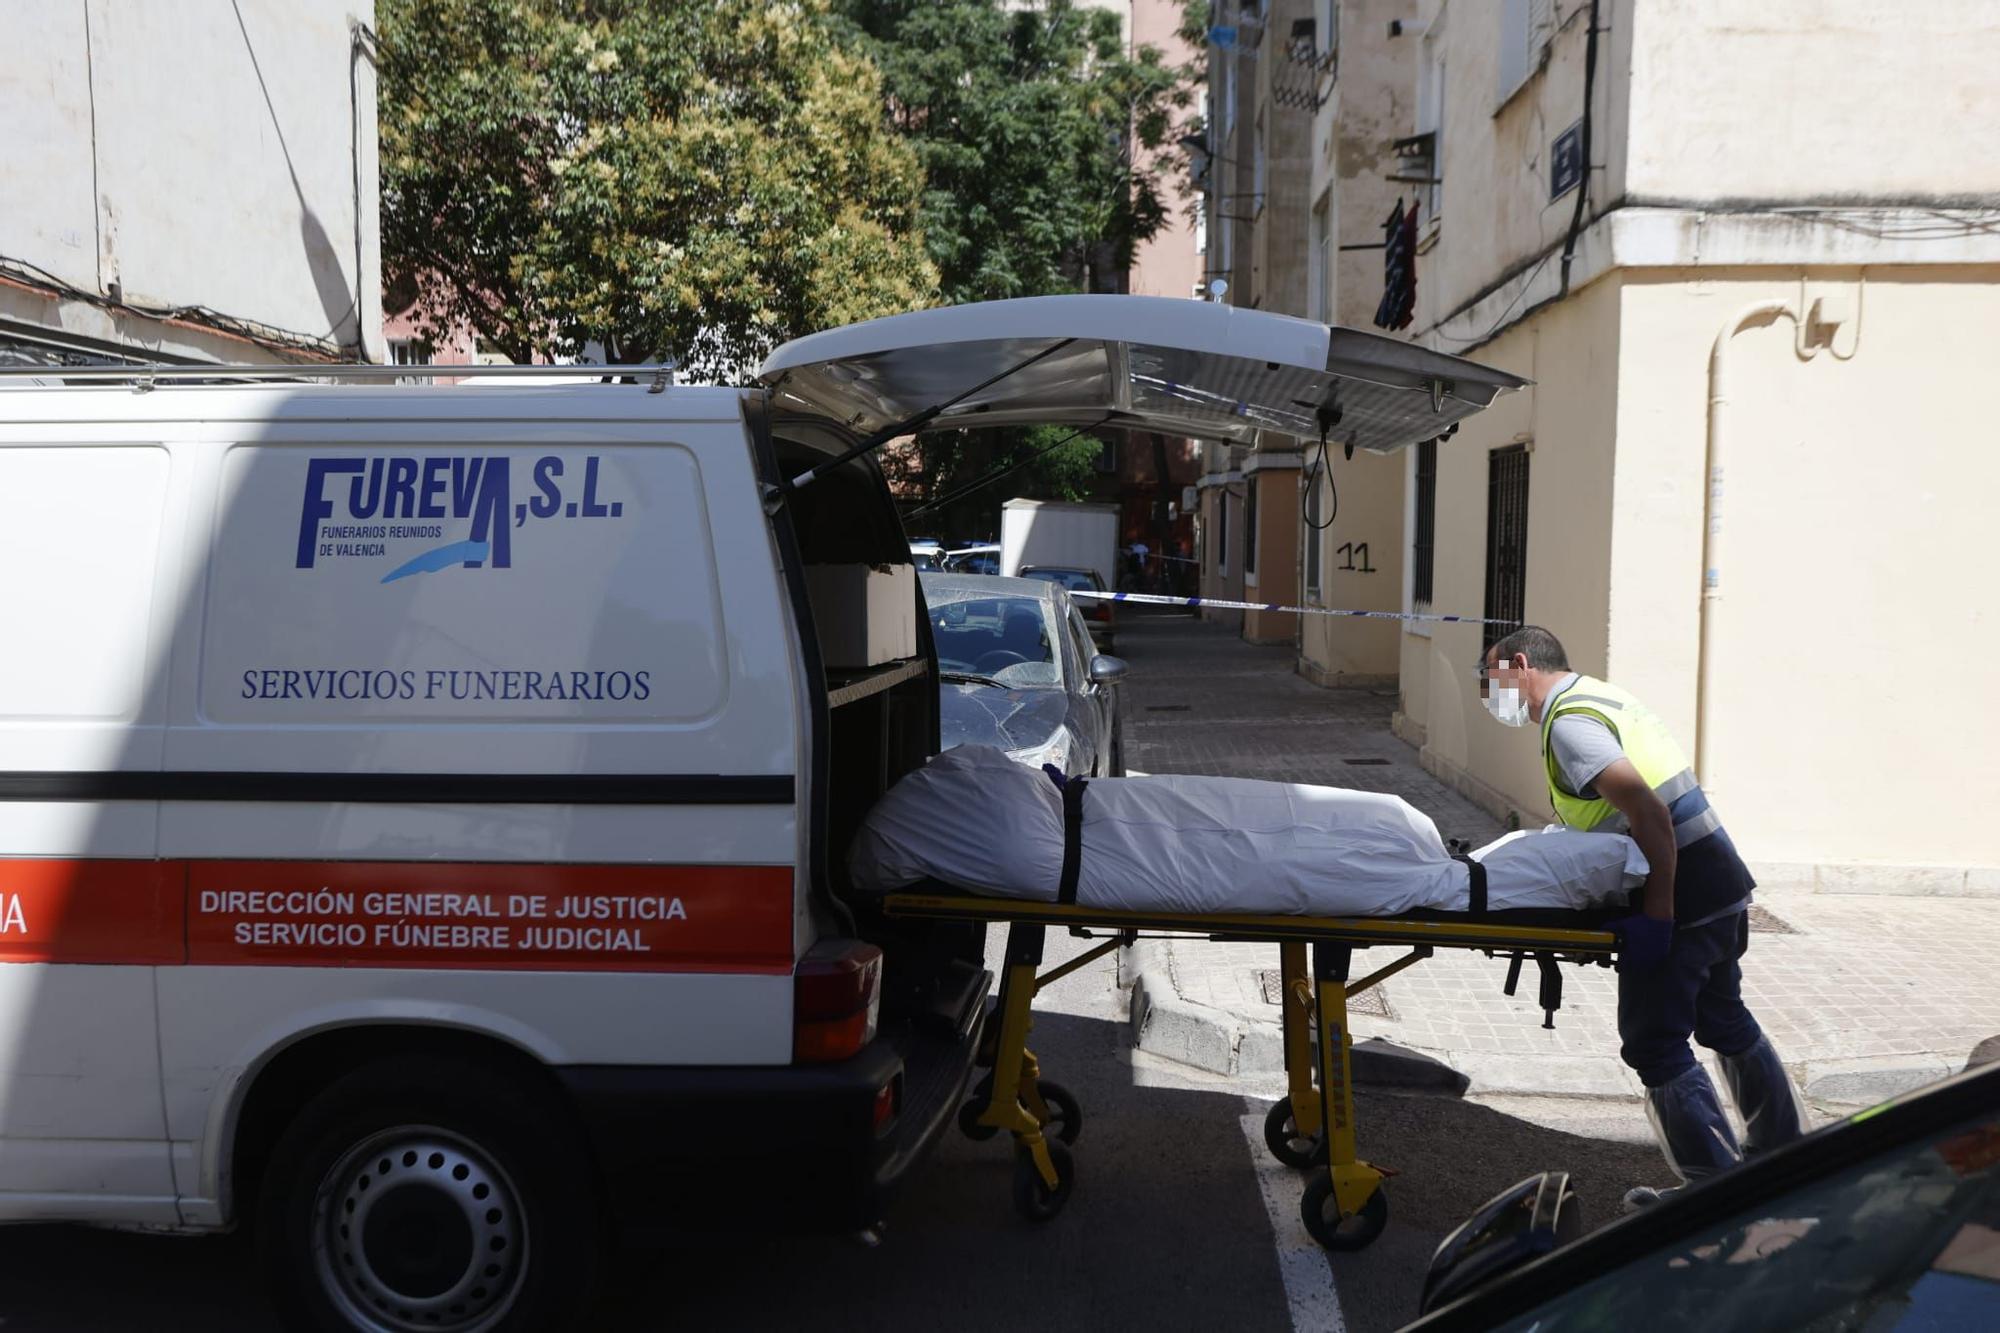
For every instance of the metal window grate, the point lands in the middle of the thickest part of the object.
(1423, 549)
(1250, 526)
(1506, 540)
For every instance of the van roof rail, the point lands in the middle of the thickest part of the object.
(656, 377)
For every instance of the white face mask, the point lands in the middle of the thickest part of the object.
(1509, 709)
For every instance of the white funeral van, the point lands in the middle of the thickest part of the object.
(422, 806)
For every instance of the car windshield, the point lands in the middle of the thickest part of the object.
(1076, 580)
(1909, 1239)
(1006, 638)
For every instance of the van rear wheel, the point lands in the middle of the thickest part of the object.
(429, 1194)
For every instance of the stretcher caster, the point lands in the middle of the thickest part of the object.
(1065, 1113)
(1321, 1214)
(1033, 1199)
(1065, 1120)
(1282, 1137)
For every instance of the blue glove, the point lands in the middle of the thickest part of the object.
(1643, 941)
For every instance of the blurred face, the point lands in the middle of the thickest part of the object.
(1503, 688)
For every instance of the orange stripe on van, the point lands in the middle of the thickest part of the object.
(90, 911)
(543, 917)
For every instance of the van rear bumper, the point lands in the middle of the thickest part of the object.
(789, 1146)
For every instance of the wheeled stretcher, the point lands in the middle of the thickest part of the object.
(1343, 1205)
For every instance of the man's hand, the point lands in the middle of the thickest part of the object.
(1643, 941)
(1652, 826)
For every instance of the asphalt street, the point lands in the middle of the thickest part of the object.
(1178, 1221)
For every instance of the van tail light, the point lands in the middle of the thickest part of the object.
(836, 999)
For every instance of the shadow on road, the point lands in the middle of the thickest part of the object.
(1167, 1229)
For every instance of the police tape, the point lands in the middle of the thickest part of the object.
(1158, 599)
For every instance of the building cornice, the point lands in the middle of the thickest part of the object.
(1640, 236)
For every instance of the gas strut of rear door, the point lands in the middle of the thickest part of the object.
(915, 423)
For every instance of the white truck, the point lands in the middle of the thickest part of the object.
(1054, 532)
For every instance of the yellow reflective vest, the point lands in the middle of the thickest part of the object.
(1646, 742)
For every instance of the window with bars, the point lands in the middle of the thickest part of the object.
(1506, 541)
(1423, 544)
(1222, 530)
(1250, 528)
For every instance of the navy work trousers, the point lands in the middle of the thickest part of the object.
(1697, 991)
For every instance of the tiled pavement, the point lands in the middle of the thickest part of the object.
(1863, 995)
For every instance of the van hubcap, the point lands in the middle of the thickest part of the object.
(417, 1228)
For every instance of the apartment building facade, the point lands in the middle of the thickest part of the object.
(1747, 254)
(1253, 165)
(189, 183)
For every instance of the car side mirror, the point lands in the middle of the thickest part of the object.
(1107, 670)
(1514, 1228)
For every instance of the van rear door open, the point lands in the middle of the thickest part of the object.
(1188, 368)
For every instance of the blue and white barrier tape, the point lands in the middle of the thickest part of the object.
(1157, 599)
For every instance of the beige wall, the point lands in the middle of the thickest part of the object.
(1818, 99)
(1702, 102)
(1371, 106)
(1853, 718)
(1370, 513)
(1279, 255)
(1854, 729)
(1276, 579)
(1494, 154)
(1568, 418)
(1222, 545)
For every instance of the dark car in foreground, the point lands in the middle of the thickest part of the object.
(1096, 612)
(1888, 1220)
(1017, 670)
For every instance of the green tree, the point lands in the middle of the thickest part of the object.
(939, 476)
(696, 179)
(1026, 117)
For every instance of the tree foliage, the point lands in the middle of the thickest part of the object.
(1036, 128)
(695, 179)
(940, 475)
(1026, 117)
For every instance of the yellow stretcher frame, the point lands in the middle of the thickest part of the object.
(1319, 1102)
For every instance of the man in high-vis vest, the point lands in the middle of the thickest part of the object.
(1612, 767)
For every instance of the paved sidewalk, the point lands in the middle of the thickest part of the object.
(1864, 996)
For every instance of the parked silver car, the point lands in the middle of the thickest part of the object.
(1017, 671)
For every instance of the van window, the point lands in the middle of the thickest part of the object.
(507, 584)
(79, 547)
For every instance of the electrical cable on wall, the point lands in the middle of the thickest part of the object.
(34, 275)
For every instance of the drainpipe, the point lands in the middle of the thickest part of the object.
(1763, 312)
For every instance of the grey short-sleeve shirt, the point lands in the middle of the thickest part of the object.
(1583, 748)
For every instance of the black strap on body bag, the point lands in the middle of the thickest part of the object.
(1072, 865)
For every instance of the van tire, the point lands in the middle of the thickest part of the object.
(480, 1167)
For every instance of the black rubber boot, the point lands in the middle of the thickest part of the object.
(1694, 1133)
(1773, 1113)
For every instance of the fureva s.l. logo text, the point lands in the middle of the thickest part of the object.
(426, 513)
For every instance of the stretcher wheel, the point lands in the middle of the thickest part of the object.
(1321, 1215)
(1282, 1137)
(1065, 1113)
(1033, 1199)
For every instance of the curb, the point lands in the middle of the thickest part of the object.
(1222, 1042)
(1165, 1024)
